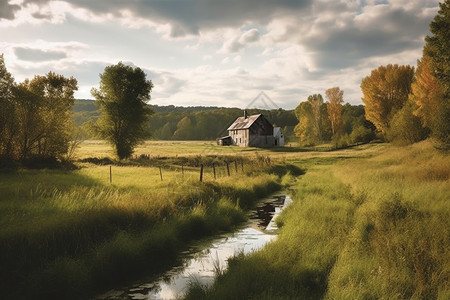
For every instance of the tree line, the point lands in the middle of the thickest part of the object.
(324, 122)
(405, 105)
(408, 105)
(188, 123)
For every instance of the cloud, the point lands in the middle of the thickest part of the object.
(190, 17)
(7, 10)
(226, 51)
(165, 83)
(38, 55)
(241, 40)
(339, 34)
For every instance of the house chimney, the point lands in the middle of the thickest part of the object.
(245, 114)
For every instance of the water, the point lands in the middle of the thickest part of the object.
(202, 263)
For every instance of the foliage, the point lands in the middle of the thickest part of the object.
(122, 98)
(426, 93)
(385, 92)
(36, 120)
(7, 116)
(437, 53)
(313, 121)
(406, 128)
(46, 113)
(438, 46)
(316, 124)
(206, 123)
(334, 108)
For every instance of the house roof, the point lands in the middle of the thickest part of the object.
(243, 123)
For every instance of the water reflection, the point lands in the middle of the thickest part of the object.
(201, 265)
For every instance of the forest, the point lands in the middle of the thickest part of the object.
(208, 123)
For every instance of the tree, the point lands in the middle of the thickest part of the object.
(437, 103)
(316, 101)
(185, 129)
(122, 98)
(43, 108)
(310, 114)
(437, 46)
(385, 92)
(7, 116)
(427, 92)
(406, 128)
(305, 129)
(334, 108)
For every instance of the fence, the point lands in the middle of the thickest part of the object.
(218, 169)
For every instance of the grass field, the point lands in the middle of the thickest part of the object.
(67, 234)
(367, 222)
(370, 223)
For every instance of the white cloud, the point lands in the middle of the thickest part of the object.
(215, 52)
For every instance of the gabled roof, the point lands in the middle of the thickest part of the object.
(243, 123)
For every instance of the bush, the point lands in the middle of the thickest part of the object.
(405, 127)
(361, 134)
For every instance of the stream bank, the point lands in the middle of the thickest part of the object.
(204, 260)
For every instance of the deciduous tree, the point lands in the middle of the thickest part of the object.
(43, 108)
(310, 114)
(122, 97)
(8, 123)
(437, 48)
(406, 128)
(385, 92)
(334, 108)
(427, 92)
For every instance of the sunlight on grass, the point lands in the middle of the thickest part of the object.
(365, 224)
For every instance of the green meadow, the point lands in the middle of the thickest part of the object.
(368, 222)
(371, 222)
(70, 234)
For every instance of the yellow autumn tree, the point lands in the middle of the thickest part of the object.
(427, 92)
(334, 107)
(385, 92)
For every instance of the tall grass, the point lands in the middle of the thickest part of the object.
(372, 227)
(400, 244)
(68, 234)
(296, 266)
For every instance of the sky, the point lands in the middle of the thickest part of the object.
(216, 52)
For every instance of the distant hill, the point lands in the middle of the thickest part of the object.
(193, 122)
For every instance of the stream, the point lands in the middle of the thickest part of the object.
(202, 262)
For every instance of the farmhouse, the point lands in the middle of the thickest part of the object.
(252, 131)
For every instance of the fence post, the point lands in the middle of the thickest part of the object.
(214, 170)
(235, 165)
(160, 173)
(201, 173)
(228, 168)
(110, 175)
(242, 165)
(182, 170)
